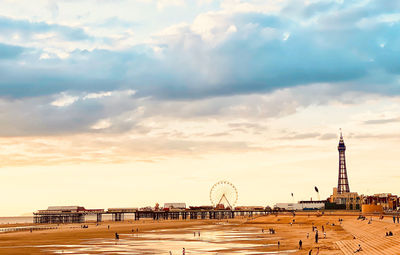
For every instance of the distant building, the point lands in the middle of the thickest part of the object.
(388, 201)
(202, 207)
(302, 205)
(220, 207)
(346, 201)
(68, 209)
(371, 208)
(313, 205)
(175, 205)
(255, 208)
(123, 210)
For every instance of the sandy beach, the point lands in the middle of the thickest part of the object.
(341, 237)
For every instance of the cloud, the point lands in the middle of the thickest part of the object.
(10, 51)
(219, 54)
(28, 29)
(263, 62)
(328, 136)
(161, 4)
(301, 136)
(381, 121)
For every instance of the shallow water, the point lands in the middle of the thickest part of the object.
(212, 240)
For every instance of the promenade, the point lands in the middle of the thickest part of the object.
(372, 237)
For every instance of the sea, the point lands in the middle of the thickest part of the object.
(16, 220)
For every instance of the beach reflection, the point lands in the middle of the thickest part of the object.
(212, 240)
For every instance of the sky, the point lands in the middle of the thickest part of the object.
(128, 103)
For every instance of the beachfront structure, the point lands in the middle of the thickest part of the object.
(302, 205)
(288, 206)
(252, 207)
(175, 205)
(343, 182)
(313, 204)
(347, 200)
(76, 214)
(65, 214)
(371, 208)
(388, 201)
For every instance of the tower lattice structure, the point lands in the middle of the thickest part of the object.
(343, 182)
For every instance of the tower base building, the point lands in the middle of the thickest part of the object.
(346, 200)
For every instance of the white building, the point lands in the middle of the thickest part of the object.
(175, 205)
(289, 206)
(301, 206)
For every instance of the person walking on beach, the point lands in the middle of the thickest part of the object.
(300, 245)
(116, 236)
(279, 245)
(183, 251)
(316, 236)
(394, 219)
(397, 218)
(308, 235)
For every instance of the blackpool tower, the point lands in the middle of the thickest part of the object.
(343, 182)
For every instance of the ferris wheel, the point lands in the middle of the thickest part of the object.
(224, 192)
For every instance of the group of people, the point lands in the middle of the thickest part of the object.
(390, 233)
(360, 217)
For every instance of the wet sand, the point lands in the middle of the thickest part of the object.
(233, 236)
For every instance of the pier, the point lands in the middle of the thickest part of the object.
(63, 215)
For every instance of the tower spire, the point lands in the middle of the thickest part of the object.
(343, 182)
